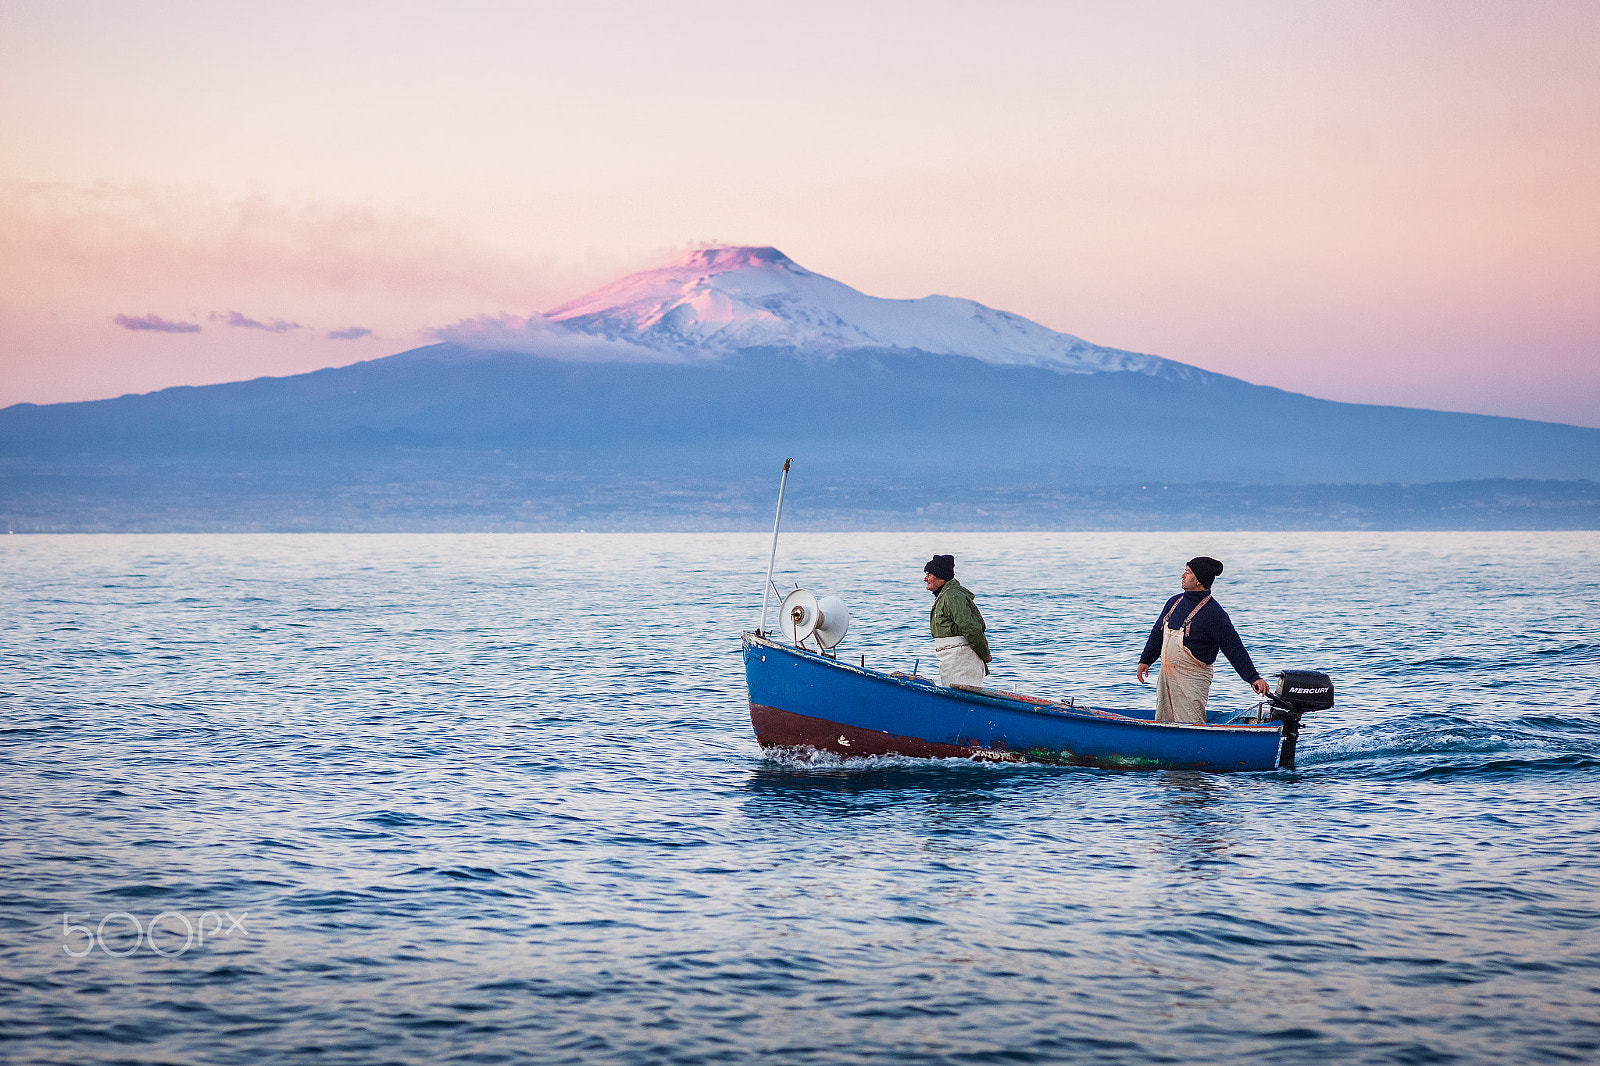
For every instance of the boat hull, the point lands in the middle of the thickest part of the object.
(802, 699)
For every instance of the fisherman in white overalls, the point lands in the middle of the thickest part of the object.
(1192, 628)
(957, 625)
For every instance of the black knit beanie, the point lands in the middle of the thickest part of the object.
(942, 567)
(1205, 569)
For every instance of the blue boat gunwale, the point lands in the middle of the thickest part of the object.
(999, 700)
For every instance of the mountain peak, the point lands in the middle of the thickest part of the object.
(718, 260)
(725, 299)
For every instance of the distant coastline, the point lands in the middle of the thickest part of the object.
(182, 499)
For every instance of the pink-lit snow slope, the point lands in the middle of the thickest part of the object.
(725, 299)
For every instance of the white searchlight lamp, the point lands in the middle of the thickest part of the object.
(804, 617)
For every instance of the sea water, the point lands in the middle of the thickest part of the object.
(452, 799)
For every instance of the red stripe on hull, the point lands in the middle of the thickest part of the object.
(784, 729)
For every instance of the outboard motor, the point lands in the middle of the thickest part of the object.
(1298, 691)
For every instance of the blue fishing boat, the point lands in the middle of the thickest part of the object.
(805, 698)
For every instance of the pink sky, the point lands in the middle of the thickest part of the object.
(1378, 202)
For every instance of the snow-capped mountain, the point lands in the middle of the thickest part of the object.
(720, 300)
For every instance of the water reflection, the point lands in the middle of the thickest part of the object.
(1196, 833)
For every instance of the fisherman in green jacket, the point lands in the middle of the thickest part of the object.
(957, 626)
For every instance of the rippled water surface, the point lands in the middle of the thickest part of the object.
(439, 799)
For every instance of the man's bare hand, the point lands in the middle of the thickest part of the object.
(1261, 686)
(1144, 668)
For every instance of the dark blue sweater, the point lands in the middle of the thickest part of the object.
(1212, 632)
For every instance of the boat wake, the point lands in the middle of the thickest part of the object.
(1445, 745)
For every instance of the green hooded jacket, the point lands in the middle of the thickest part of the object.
(955, 614)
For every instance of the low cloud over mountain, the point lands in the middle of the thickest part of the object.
(537, 335)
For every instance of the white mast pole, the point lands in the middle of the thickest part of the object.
(772, 560)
